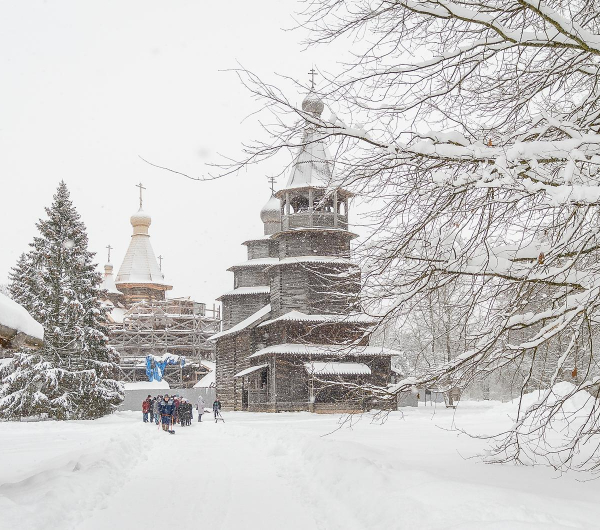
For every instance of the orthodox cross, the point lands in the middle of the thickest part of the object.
(141, 188)
(109, 249)
(160, 258)
(272, 181)
(312, 74)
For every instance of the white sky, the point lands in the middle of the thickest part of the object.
(87, 86)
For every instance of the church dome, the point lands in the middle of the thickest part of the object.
(313, 104)
(271, 212)
(141, 218)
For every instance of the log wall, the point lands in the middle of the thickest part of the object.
(262, 248)
(250, 277)
(313, 288)
(239, 307)
(314, 243)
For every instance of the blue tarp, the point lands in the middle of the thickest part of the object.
(155, 366)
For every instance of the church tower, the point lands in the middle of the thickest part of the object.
(314, 241)
(139, 277)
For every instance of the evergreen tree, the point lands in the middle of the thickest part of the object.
(72, 376)
(24, 282)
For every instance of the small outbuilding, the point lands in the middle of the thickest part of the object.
(17, 327)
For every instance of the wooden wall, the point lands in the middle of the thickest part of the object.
(262, 248)
(314, 243)
(232, 354)
(313, 288)
(137, 294)
(239, 307)
(250, 277)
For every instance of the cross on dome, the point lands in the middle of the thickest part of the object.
(140, 185)
(109, 249)
(312, 74)
(272, 181)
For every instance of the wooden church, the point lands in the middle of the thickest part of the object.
(293, 335)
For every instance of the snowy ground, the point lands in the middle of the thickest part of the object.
(278, 471)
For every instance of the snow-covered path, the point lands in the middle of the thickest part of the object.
(204, 474)
(278, 471)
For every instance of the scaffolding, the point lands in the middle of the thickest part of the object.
(178, 326)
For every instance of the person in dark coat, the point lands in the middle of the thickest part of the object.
(176, 402)
(216, 408)
(167, 409)
(151, 411)
(181, 410)
(155, 406)
(188, 413)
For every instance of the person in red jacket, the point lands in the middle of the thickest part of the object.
(146, 407)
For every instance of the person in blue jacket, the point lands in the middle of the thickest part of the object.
(166, 409)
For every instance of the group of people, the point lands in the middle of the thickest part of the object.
(169, 410)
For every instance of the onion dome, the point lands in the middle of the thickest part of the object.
(140, 221)
(313, 104)
(271, 212)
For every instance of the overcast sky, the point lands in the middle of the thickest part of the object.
(87, 86)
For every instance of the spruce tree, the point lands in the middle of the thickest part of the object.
(24, 282)
(73, 375)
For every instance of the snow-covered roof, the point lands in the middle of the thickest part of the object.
(259, 238)
(335, 368)
(208, 381)
(208, 364)
(147, 385)
(297, 316)
(313, 165)
(116, 314)
(313, 259)
(250, 370)
(257, 289)
(240, 326)
(108, 281)
(15, 318)
(322, 350)
(259, 262)
(139, 264)
(313, 229)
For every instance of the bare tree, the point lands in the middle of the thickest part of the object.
(478, 138)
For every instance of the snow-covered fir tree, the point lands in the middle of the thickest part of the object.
(73, 375)
(24, 283)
